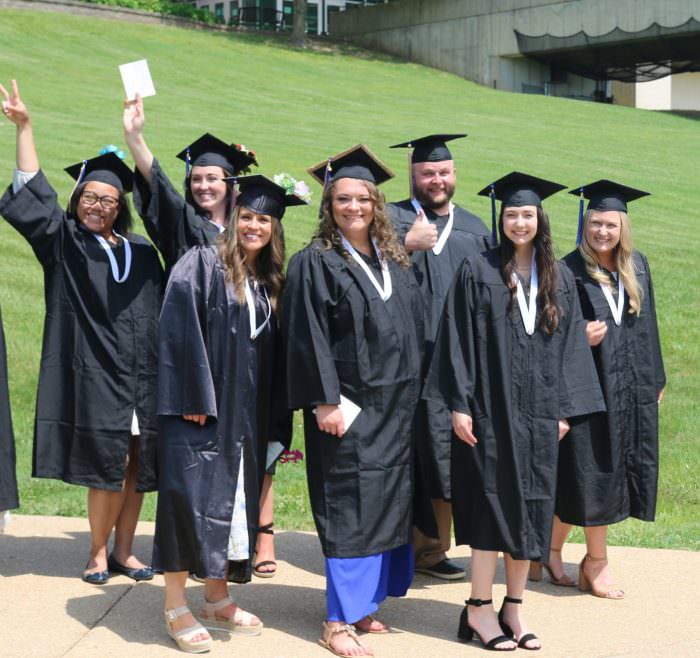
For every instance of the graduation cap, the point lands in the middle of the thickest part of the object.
(431, 148)
(265, 197)
(106, 168)
(604, 195)
(356, 162)
(210, 151)
(518, 189)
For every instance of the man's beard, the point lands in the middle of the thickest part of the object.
(426, 202)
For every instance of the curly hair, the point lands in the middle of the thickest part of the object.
(381, 228)
(269, 263)
(623, 261)
(546, 269)
(123, 222)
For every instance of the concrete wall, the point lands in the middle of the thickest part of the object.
(685, 91)
(475, 38)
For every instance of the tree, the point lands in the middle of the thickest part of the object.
(299, 23)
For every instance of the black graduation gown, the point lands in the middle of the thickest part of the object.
(434, 273)
(208, 364)
(172, 224)
(98, 360)
(342, 338)
(609, 463)
(9, 497)
(516, 388)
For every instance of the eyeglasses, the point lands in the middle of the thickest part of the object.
(107, 202)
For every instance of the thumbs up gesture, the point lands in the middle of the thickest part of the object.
(423, 234)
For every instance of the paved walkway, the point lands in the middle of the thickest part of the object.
(46, 610)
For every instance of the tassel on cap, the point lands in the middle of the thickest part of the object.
(494, 233)
(579, 233)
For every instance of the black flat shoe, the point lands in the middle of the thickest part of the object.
(465, 632)
(525, 638)
(144, 573)
(96, 578)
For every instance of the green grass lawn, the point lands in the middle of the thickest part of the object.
(295, 108)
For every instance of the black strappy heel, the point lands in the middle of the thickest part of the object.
(522, 642)
(465, 632)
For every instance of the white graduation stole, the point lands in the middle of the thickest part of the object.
(250, 303)
(615, 307)
(114, 266)
(383, 290)
(528, 312)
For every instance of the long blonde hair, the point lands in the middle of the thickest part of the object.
(381, 228)
(269, 263)
(624, 261)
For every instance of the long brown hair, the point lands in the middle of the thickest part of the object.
(269, 263)
(546, 269)
(381, 228)
(623, 261)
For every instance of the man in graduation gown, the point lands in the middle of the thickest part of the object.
(439, 235)
(9, 498)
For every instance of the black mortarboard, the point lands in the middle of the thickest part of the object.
(604, 195)
(106, 168)
(210, 151)
(263, 196)
(431, 148)
(357, 162)
(518, 189)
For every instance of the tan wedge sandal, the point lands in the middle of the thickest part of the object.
(240, 623)
(183, 637)
(585, 584)
(329, 632)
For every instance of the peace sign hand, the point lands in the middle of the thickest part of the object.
(13, 107)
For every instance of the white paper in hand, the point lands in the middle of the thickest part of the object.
(137, 79)
(349, 410)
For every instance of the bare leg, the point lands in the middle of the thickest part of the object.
(560, 531)
(175, 598)
(596, 568)
(516, 577)
(214, 591)
(483, 618)
(103, 510)
(265, 548)
(125, 526)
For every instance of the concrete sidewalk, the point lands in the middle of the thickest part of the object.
(46, 610)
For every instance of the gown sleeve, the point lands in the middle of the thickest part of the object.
(579, 393)
(34, 212)
(185, 382)
(282, 419)
(454, 358)
(170, 221)
(312, 378)
(654, 334)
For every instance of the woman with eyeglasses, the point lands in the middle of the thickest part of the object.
(95, 413)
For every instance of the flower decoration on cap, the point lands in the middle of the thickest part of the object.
(111, 148)
(293, 186)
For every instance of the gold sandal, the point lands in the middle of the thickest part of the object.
(239, 623)
(585, 584)
(183, 637)
(329, 632)
(535, 574)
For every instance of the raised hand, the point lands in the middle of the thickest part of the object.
(422, 236)
(13, 107)
(134, 117)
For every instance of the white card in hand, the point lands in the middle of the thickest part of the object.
(137, 79)
(349, 410)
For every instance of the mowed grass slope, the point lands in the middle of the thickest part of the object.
(295, 108)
